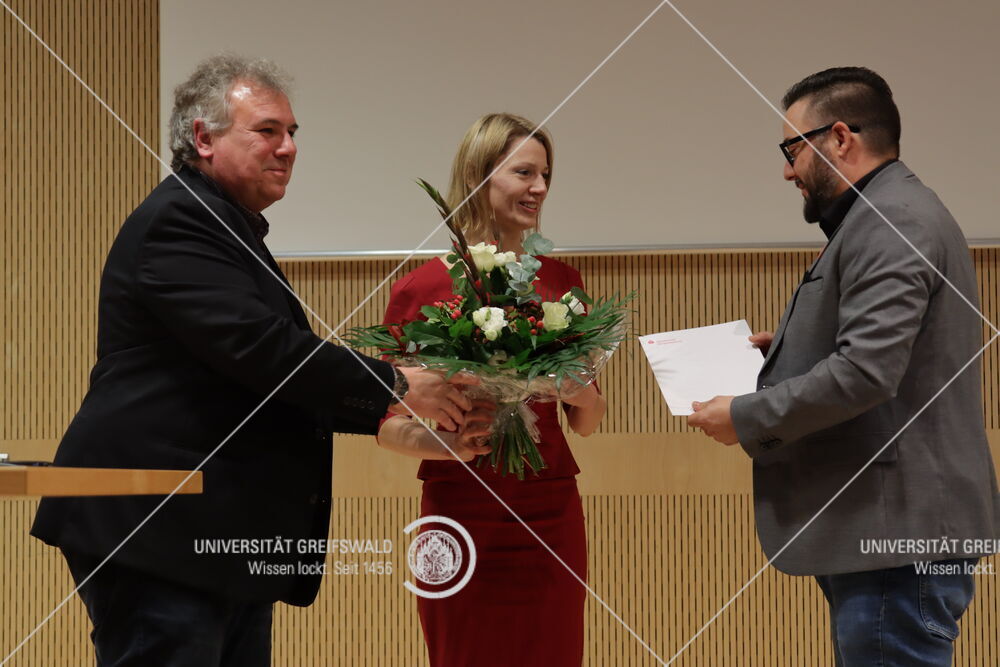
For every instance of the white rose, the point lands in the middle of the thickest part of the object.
(492, 329)
(490, 320)
(556, 316)
(504, 258)
(483, 315)
(484, 256)
(574, 304)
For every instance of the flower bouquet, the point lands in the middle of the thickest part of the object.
(497, 327)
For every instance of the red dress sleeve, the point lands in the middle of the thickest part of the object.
(426, 284)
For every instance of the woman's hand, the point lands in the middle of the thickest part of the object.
(585, 409)
(584, 397)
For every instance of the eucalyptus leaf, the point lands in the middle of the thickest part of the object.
(536, 244)
(520, 287)
(519, 274)
(530, 264)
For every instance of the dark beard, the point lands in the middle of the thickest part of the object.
(820, 192)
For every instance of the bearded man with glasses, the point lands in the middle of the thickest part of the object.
(872, 470)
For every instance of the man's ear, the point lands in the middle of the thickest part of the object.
(202, 139)
(846, 140)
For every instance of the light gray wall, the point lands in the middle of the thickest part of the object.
(665, 145)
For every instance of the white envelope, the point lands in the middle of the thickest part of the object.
(698, 364)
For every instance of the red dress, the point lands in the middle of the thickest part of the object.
(521, 607)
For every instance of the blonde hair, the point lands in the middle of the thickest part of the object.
(481, 149)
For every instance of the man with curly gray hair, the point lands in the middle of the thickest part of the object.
(206, 361)
(244, 103)
(205, 96)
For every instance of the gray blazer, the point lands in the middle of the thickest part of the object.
(871, 334)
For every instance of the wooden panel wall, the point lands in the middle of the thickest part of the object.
(676, 290)
(665, 563)
(70, 175)
(669, 515)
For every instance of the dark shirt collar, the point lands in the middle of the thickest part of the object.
(258, 225)
(835, 213)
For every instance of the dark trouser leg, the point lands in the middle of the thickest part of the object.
(143, 621)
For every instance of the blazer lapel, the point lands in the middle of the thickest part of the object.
(893, 172)
(806, 277)
(199, 183)
(298, 315)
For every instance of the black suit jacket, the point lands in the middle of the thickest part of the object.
(193, 333)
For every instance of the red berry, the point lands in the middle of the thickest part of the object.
(455, 315)
(541, 324)
(531, 320)
(534, 332)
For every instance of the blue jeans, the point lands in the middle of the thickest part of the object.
(897, 617)
(142, 621)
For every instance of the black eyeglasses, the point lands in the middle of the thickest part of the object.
(784, 145)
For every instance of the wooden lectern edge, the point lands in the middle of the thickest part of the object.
(55, 481)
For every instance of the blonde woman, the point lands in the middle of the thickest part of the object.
(521, 607)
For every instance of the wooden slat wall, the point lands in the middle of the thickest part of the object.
(71, 174)
(665, 563)
(988, 269)
(665, 552)
(676, 290)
